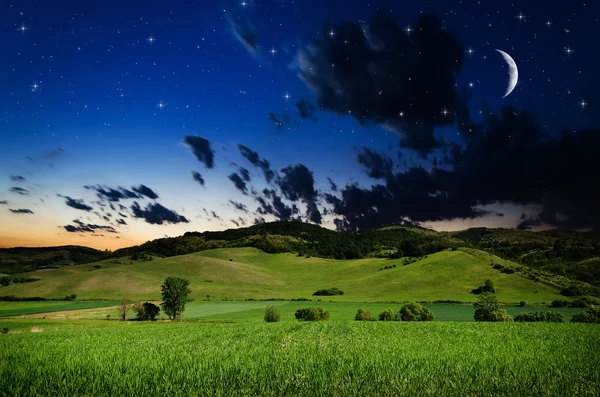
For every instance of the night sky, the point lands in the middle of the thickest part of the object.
(124, 121)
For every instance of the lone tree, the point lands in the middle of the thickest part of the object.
(175, 294)
(146, 311)
(487, 308)
(123, 308)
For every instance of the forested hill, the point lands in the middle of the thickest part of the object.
(21, 259)
(308, 239)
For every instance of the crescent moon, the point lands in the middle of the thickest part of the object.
(513, 73)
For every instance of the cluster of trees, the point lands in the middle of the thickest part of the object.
(22, 260)
(488, 286)
(411, 311)
(175, 295)
(328, 292)
(6, 281)
(591, 316)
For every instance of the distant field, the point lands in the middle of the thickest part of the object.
(240, 273)
(102, 358)
(20, 308)
(254, 311)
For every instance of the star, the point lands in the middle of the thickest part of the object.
(568, 50)
(331, 33)
(273, 51)
(35, 86)
(583, 104)
(408, 30)
(161, 105)
(548, 23)
(470, 51)
(151, 39)
(445, 112)
(287, 96)
(471, 84)
(244, 3)
(22, 28)
(520, 17)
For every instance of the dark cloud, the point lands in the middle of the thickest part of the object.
(242, 221)
(528, 224)
(82, 227)
(201, 149)
(298, 183)
(3, 202)
(198, 178)
(272, 204)
(245, 174)
(21, 211)
(121, 222)
(332, 185)
(106, 218)
(259, 220)
(145, 191)
(279, 120)
(17, 178)
(256, 161)
(156, 214)
(122, 207)
(238, 182)
(110, 194)
(306, 109)
(78, 204)
(379, 74)
(53, 154)
(506, 159)
(235, 222)
(215, 216)
(378, 166)
(122, 215)
(19, 190)
(238, 206)
(245, 32)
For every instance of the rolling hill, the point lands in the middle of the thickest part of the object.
(249, 273)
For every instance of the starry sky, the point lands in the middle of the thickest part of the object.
(123, 122)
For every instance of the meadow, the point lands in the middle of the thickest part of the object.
(345, 358)
(242, 273)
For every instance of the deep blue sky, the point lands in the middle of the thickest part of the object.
(105, 94)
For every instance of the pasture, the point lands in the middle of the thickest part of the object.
(336, 358)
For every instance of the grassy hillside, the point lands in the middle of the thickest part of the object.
(243, 273)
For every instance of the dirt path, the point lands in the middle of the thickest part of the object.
(98, 312)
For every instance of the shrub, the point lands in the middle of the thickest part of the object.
(488, 286)
(415, 312)
(313, 313)
(559, 303)
(578, 304)
(271, 314)
(522, 304)
(4, 330)
(487, 308)
(329, 292)
(97, 267)
(363, 315)
(387, 315)
(591, 316)
(546, 317)
(498, 267)
(508, 270)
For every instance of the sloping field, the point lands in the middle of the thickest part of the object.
(243, 273)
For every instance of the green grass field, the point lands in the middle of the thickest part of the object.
(22, 308)
(252, 273)
(103, 358)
